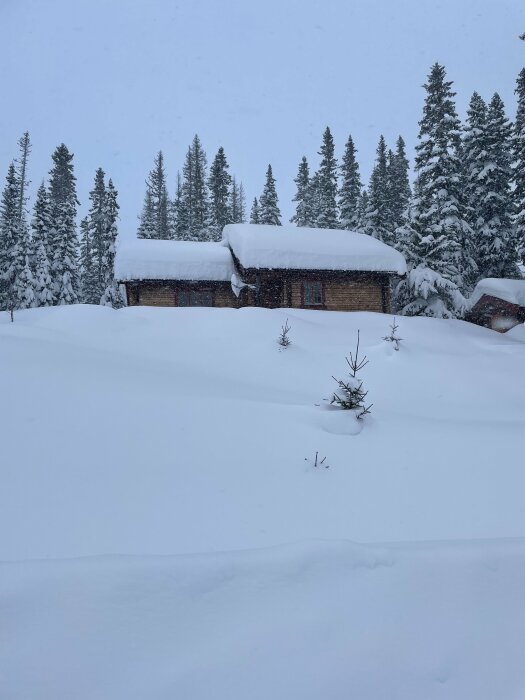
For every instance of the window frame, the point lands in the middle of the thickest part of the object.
(311, 282)
(191, 294)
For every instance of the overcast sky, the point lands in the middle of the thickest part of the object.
(118, 80)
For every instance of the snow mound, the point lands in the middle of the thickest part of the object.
(290, 247)
(512, 291)
(148, 259)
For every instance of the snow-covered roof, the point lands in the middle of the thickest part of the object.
(293, 248)
(148, 259)
(512, 291)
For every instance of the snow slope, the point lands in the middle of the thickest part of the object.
(330, 621)
(185, 432)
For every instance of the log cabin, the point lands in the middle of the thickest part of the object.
(498, 304)
(267, 266)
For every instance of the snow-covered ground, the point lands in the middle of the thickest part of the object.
(172, 448)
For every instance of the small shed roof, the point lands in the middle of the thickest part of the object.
(511, 291)
(293, 248)
(150, 259)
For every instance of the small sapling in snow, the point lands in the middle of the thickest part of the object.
(393, 337)
(350, 395)
(283, 340)
(317, 462)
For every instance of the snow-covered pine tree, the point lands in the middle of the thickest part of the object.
(495, 241)
(154, 220)
(269, 212)
(436, 226)
(303, 211)
(87, 275)
(201, 201)
(63, 234)
(96, 282)
(236, 205)
(15, 275)
(398, 188)
(180, 212)
(255, 214)
(112, 295)
(327, 215)
(194, 192)
(518, 152)
(361, 210)
(24, 146)
(40, 227)
(241, 206)
(350, 191)
(219, 183)
(24, 286)
(476, 165)
(314, 196)
(378, 220)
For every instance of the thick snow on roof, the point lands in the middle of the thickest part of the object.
(512, 291)
(293, 248)
(173, 260)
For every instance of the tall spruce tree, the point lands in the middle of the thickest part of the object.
(219, 184)
(24, 147)
(518, 152)
(241, 205)
(154, 220)
(112, 295)
(16, 283)
(255, 214)
(398, 188)
(268, 202)
(327, 215)
(194, 193)
(303, 209)
(87, 274)
(350, 191)
(238, 203)
(24, 287)
(378, 220)
(436, 227)
(179, 213)
(476, 164)
(97, 238)
(40, 228)
(495, 241)
(63, 234)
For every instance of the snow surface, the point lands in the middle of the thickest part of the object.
(144, 259)
(187, 433)
(290, 247)
(512, 291)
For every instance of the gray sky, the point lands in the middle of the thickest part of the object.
(118, 80)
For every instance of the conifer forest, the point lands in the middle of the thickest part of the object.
(457, 212)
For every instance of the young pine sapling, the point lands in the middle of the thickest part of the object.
(393, 337)
(350, 395)
(284, 340)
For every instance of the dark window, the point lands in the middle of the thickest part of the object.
(313, 293)
(203, 298)
(183, 298)
(194, 297)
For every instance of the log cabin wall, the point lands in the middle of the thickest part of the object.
(276, 289)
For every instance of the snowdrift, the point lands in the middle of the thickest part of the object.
(157, 464)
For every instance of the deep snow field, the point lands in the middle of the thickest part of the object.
(164, 534)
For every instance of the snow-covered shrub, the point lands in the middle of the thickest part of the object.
(350, 394)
